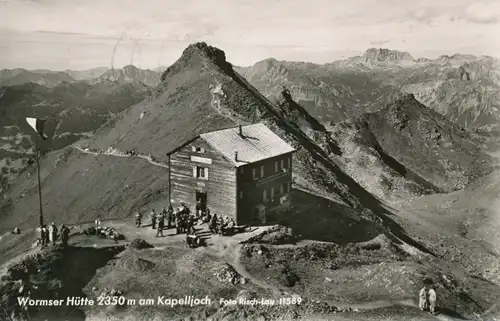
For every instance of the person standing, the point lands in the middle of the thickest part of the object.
(170, 216)
(45, 233)
(153, 219)
(53, 233)
(432, 300)
(40, 236)
(161, 225)
(422, 298)
(138, 219)
(64, 235)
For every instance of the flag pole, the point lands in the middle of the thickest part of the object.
(37, 157)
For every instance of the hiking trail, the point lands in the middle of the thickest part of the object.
(120, 154)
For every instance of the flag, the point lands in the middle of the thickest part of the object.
(38, 125)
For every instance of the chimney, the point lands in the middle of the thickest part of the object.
(236, 156)
(241, 130)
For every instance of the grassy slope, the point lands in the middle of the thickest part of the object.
(82, 186)
(462, 218)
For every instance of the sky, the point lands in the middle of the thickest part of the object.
(71, 34)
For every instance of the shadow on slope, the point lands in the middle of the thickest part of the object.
(57, 273)
(316, 218)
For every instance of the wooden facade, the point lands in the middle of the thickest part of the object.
(266, 183)
(248, 192)
(199, 171)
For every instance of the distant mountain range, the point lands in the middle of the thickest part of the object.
(464, 88)
(127, 74)
(74, 111)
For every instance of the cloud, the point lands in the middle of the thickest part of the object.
(379, 42)
(43, 32)
(423, 14)
(487, 12)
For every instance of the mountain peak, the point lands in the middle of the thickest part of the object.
(403, 98)
(130, 67)
(201, 48)
(383, 54)
(200, 51)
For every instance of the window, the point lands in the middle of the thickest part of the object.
(262, 171)
(241, 195)
(288, 187)
(200, 172)
(264, 196)
(282, 188)
(254, 173)
(288, 161)
(197, 149)
(272, 193)
(276, 166)
(282, 164)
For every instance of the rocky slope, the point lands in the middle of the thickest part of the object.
(404, 149)
(325, 94)
(464, 88)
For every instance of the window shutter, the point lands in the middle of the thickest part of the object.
(276, 166)
(194, 171)
(281, 188)
(193, 149)
(206, 173)
(288, 161)
(282, 164)
(262, 171)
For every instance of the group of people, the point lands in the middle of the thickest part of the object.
(180, 219)
(221, 226)
(427, 299)
(185, 221)
(49, 234)
(131, 152)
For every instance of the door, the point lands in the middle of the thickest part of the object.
(259, 215)
(201, 201)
